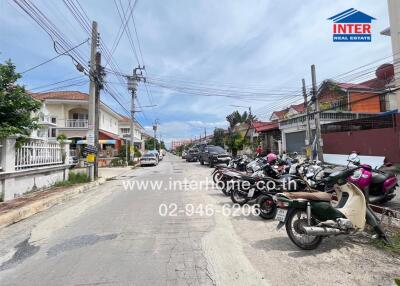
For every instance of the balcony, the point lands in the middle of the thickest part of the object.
(76, 123)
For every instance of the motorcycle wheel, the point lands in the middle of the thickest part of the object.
(238, 198)
(296, 220)
(223, 186)
(267, 207)
(216, 177)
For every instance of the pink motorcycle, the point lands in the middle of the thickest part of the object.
(378, 186)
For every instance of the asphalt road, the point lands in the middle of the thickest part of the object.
(117, 236)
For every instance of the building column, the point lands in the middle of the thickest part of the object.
(8, 154)
(394, 19)
(283, 142)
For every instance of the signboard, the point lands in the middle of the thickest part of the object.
(89, 149)
(90, 137)
(90, 158)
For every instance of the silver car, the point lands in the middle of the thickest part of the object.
(149, 159)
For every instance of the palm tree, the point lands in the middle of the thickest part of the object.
(233, 119)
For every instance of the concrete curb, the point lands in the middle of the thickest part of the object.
(16, 215)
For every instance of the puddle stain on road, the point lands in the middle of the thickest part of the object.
(79, 242)
(24, 251)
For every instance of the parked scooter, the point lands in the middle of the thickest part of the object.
(380, 185)
(309, 216)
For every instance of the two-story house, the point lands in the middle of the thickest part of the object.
(68, 114)
(340, 102)
(125, 132)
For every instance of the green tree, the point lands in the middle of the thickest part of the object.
(233, 119)
(149, 144)
(122, 152)
(16, 106)
(219, 136)
(235, 142)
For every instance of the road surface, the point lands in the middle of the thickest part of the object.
(117, 236)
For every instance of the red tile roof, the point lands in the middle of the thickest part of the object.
(124, 118)
(298, 107)
(109, 134)
(260, 126)
(377, 83)
(281, 113)
(68, 95)
(345, 85)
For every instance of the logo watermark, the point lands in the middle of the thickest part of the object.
(351, 26)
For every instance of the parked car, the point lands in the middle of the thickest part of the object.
(155, 152)
(192, 155)
(214, 155)
(160, 156)
(149, 159)
(184, 154)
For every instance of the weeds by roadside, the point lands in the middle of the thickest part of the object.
(73, 179)
(393, 248)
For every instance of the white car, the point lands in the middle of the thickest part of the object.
(149, 159)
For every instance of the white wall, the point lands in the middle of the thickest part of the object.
(136, 132)
(108, 122)
(15, 187)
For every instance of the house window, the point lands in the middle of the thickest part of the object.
(80, 116)
(52, 132)
(382, 102)
(125, 130)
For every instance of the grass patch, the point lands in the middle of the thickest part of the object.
(73, 179)
(393, 248)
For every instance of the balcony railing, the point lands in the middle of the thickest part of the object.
(76, 123)
(299, 121)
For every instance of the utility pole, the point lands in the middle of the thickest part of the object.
(205, 134)
(319, 142)
(155, 131)
(308, 129)
(155, 138)
(251, 126)
(132, 86)
(92, 99)
(99, 86)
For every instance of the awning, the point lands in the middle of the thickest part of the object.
(111, 142)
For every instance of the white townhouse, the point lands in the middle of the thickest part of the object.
(67, 113)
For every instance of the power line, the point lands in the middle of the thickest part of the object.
(49, 60)
(58, 82)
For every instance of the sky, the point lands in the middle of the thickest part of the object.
(249, 46)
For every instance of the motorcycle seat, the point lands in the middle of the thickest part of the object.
(378, 178)
(311, 196)
(248, 178)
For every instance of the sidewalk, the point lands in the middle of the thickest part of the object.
(107, 172)
(35, 202)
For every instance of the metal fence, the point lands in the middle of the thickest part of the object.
(375, 122)
(38, 154)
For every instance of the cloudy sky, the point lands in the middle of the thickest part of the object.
(191, 48)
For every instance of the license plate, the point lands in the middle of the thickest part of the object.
(281, 215)
(251, 193)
